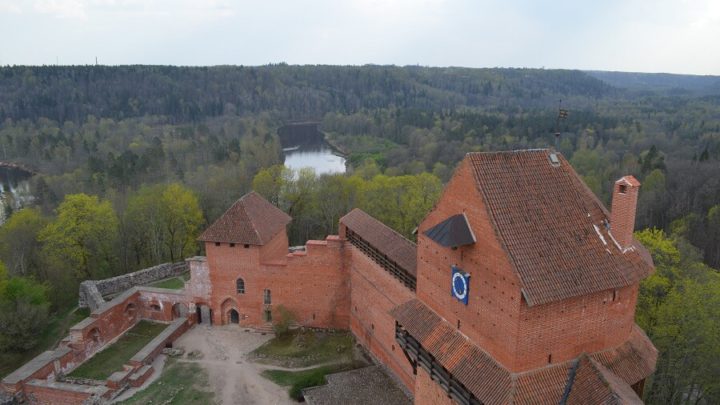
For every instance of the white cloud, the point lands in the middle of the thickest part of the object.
(9, 7)
(61, 8)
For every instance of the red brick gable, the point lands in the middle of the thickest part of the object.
(251, 220)
(552, 226)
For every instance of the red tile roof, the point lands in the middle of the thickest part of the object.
(251, 220)
(383, 238)
(595, 384)
(475, 369)
(633, 360)
(491, 383)
(552, 227)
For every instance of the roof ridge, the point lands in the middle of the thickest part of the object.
(501, 152)
(249, 217)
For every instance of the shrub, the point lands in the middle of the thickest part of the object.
(285, 319)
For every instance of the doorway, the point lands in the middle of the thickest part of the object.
(234, 316)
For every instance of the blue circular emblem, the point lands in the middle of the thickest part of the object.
(459, 286)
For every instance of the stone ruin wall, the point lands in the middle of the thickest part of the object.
(92, 292)
(41, 380)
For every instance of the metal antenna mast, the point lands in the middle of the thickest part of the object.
(562, 114)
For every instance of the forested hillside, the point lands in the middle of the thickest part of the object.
(146, 156)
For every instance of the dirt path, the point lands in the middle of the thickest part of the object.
(224, 355)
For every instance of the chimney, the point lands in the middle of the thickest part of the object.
(624, 205)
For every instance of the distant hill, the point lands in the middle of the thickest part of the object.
(295, 92)
(667, 83)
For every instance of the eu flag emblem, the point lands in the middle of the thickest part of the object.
(460, 285)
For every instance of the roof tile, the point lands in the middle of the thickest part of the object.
(552, 226)
(491, 383)
(251, 220)
(396, 247)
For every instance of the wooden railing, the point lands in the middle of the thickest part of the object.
(380, 258)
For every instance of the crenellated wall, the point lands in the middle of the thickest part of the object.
(312, 284)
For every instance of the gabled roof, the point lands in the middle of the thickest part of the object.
(606, 375)
(452, 232)
(393, 245)
(552, 226)
(251, 220)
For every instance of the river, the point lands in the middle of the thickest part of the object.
(14, 190)
(305, 146)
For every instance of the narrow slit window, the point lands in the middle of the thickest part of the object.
(267, 298)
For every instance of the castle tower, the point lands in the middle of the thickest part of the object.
(250, 234)
(522, 293)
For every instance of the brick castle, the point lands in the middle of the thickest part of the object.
(521, 288)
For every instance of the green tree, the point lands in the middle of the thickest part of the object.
(19, 247)
(181, 218)
(143, 226)
(23, 311)
(83, 238)
(688, 337)
(271, 182)
(162, 223)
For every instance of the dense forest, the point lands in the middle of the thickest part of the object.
(134, 161)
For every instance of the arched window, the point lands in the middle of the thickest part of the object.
(240, 284)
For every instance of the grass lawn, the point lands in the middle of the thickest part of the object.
(297, 380)
(303, 349)
(104, 363)
(174, 283)
(56, 329)
(180, 383)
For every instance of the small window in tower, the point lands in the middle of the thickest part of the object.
(458, 324)
(247, 246)
(240, 286)
(623, 189)
(217, 243)
(267, 298)
(232, 245)
(615, 295)
(550, 358)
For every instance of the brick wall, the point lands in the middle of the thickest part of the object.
(428, 392)
(491, 318)
(560, 331)
(497, 318)
(92, 291)
(374, 293)
(312, 284)
(54, 396)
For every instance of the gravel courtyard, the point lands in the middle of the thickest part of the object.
(222, 351)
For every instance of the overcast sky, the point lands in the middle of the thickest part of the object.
(677, 36)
